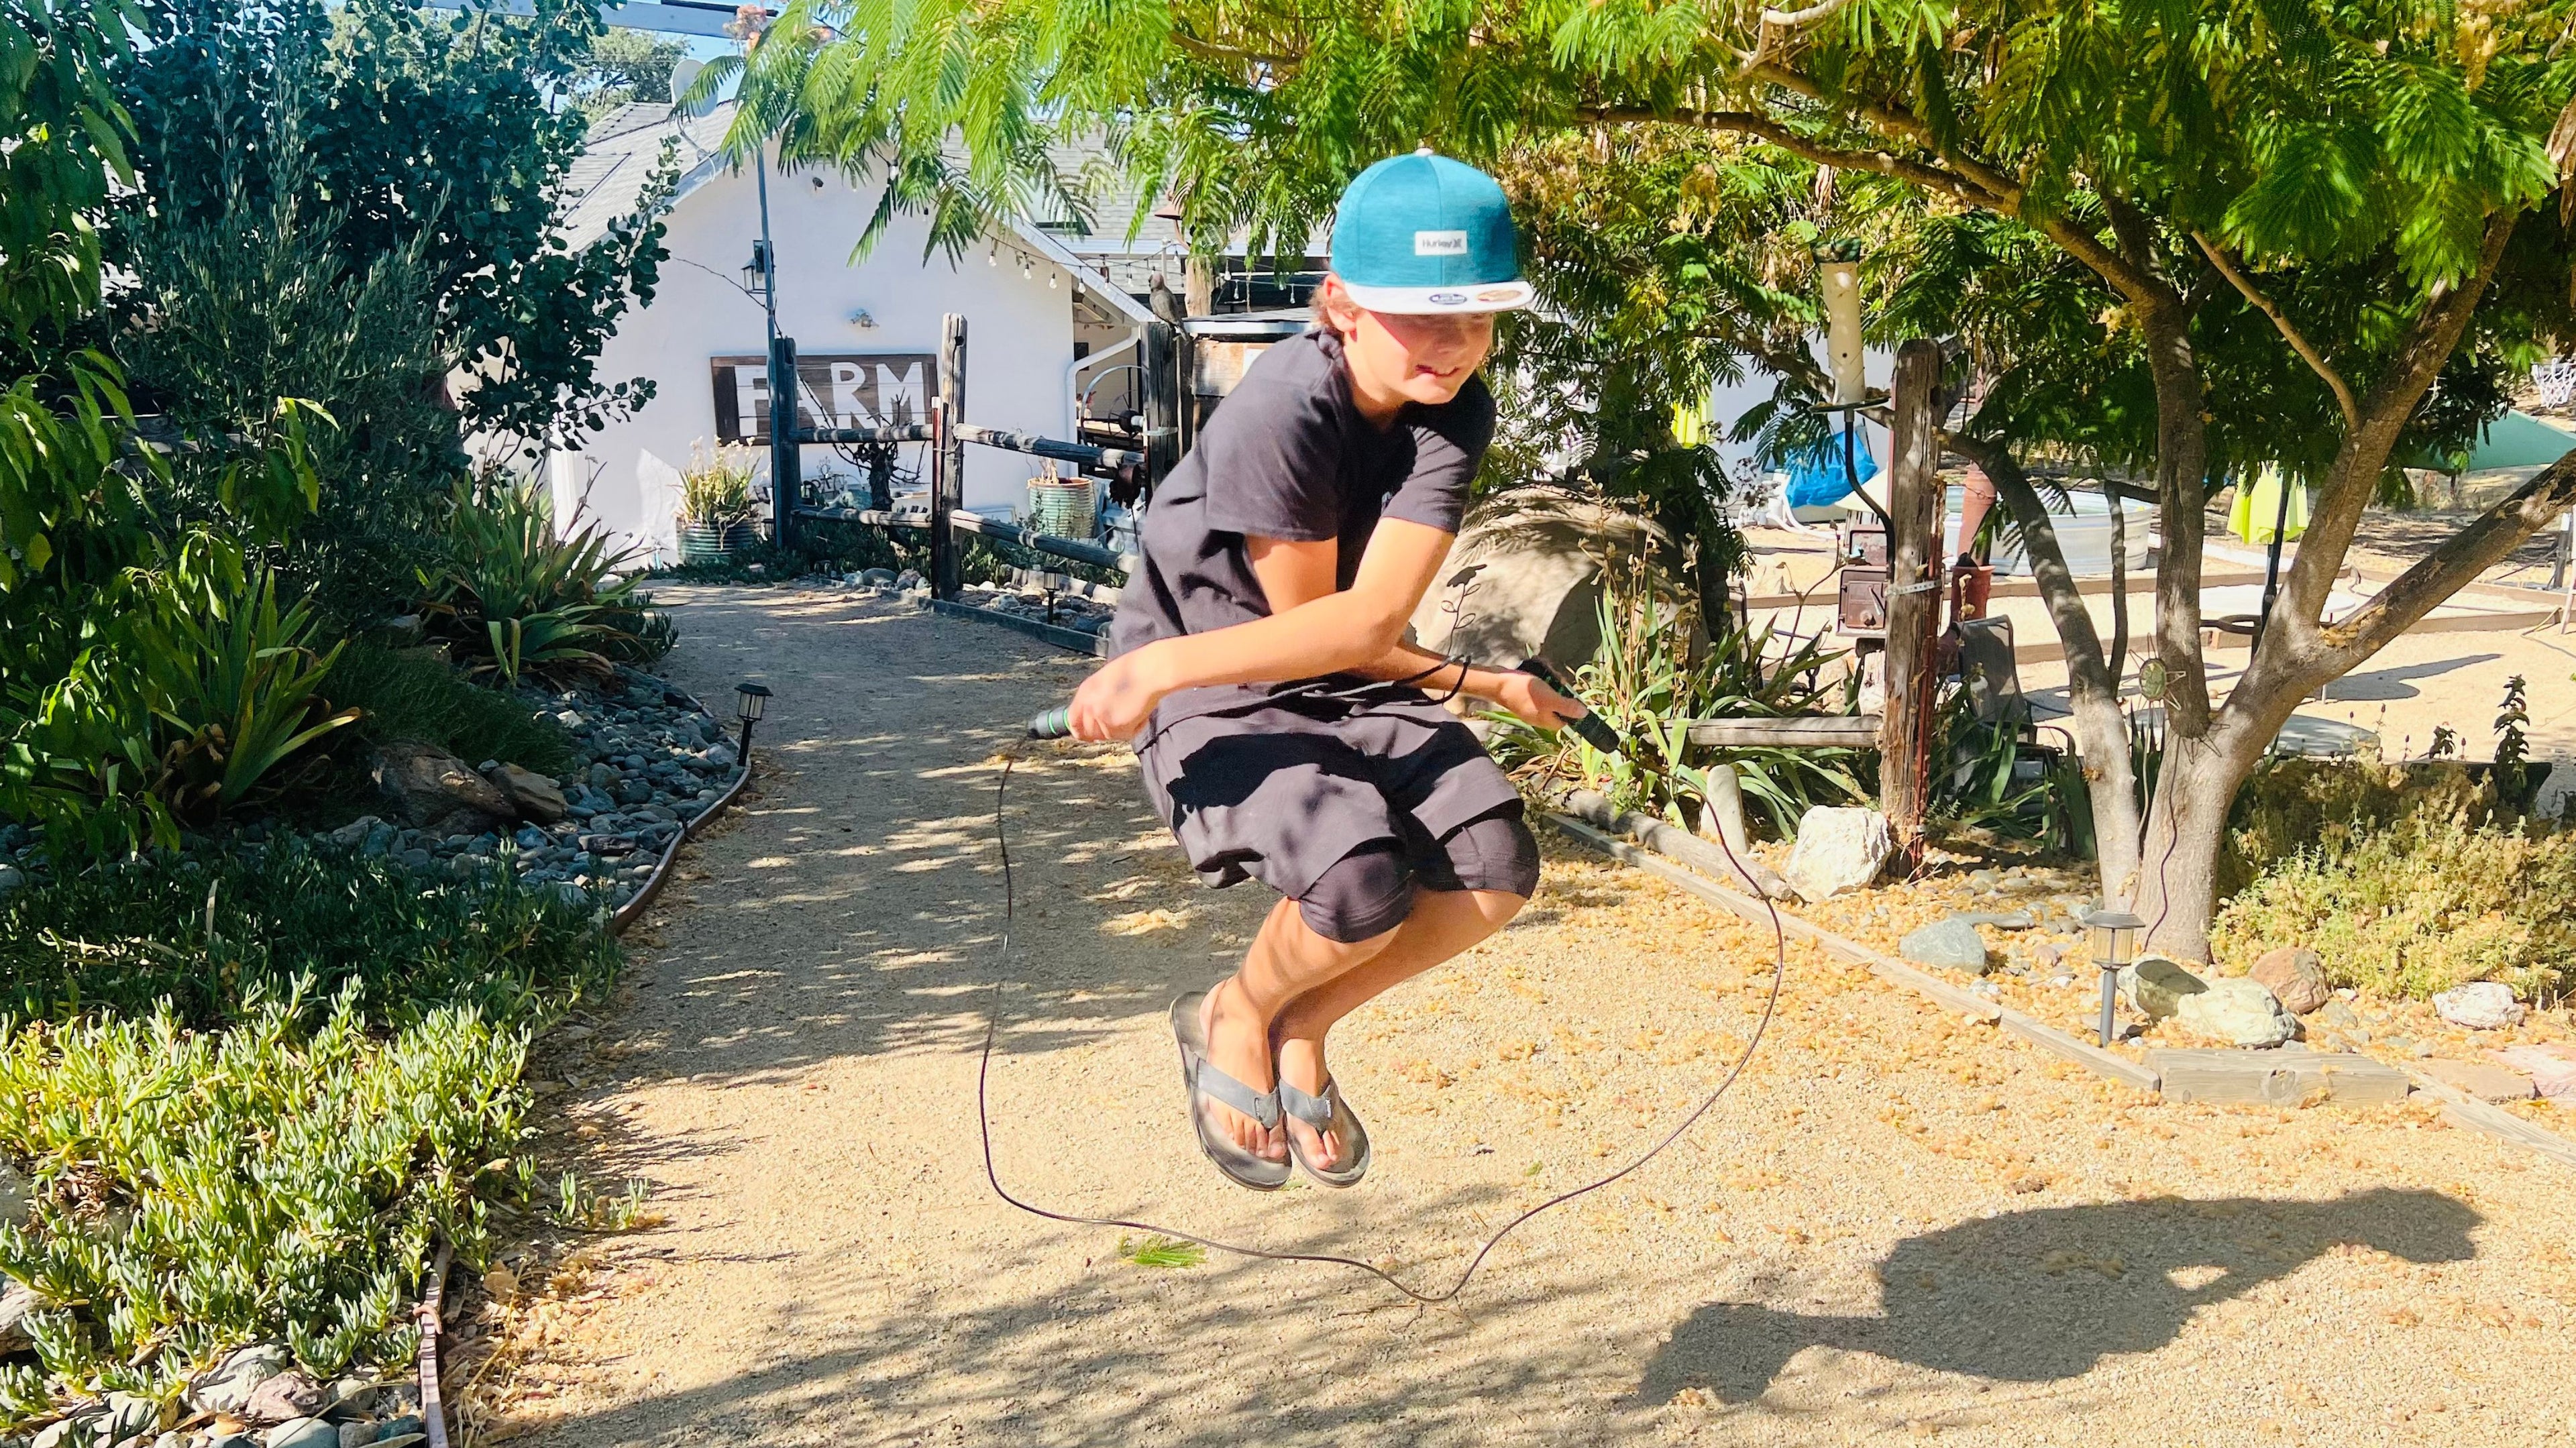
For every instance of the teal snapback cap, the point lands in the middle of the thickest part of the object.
(1422, 234)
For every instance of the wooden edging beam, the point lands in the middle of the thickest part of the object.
(2029, 1028)
(2464, 1110)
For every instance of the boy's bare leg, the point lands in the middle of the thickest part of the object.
(1444, 924)
(1287, 960)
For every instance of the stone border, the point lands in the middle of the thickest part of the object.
(1072, 640)
(633, 910)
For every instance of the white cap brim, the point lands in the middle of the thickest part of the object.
(1440, 301)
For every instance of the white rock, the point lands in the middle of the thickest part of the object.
(2556, 789)
(1839, 848)
(2484, 1005)
(2239, 1010)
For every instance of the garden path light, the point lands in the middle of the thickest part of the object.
(2115, 939)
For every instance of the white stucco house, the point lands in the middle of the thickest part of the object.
(1039, 324)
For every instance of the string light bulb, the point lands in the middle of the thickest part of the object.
(1026, 270)
(993, 255)
(1050, 281)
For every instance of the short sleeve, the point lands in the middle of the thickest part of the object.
(1448, 446)
(1272, 455)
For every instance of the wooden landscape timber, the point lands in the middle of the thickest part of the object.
(2284, 1077)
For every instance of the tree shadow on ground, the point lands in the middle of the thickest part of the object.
(2043, 1296)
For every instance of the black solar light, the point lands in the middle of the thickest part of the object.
(750, 701)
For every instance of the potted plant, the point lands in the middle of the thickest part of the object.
(715, 504)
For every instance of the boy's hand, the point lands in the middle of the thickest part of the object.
(1530, 698)
(1115, 702)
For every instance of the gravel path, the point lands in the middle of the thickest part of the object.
(1899, 1223)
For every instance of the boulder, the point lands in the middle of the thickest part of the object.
(1524, 576)
(1951, 944)
(428, 784)
(2484, 1005)
(226, 1387)
(2481, 1080)
(302, 1433)
(534, 796)
(17, 1196)
(2552, 1068)
(2157, 986)
(284, 1397)
(17, 1302)
(1839, 848)
(2240, 1011)
(2296, 976)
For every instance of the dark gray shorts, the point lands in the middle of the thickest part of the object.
(1280, 790)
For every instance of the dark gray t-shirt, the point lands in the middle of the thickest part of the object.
(1290, 456)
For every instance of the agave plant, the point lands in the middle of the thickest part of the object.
(1647, 684)
(232, 682)
(517, 600)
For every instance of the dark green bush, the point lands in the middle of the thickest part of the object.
(408, 695)
(209, 932)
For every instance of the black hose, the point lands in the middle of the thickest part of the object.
(984, 1125)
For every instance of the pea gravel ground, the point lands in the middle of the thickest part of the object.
(1900, 1224)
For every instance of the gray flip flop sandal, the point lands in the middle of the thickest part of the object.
(1328, 1112)
(1205, 1083)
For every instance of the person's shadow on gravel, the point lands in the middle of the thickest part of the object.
(2043, 1295)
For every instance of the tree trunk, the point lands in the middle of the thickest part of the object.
(2101, 730)
(2178, 874)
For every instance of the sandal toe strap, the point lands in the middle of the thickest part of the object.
(1316, 1111)
(1261, 1106)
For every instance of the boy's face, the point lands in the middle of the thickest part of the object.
(1424, 359)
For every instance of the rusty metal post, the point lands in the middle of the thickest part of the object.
(1913, 599)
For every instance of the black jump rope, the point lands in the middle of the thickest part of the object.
(1056, 724)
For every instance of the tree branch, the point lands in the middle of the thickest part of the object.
(2438, 575)
(2092, 691)
(1762, 127)
(2429, 342)
(2298, 342)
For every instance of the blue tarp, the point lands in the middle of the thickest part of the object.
(1817, 476)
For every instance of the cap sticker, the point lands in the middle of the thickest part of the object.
(1498, 294)
(1439, 243)
(1445, 299)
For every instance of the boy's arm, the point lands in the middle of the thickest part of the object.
(1313, 629)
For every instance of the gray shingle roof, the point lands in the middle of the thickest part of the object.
(624, 147)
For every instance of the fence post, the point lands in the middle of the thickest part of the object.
(786, 454)
(1913, 599)
(948, 482)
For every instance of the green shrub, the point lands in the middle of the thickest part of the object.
(209, 931)
(194, 1191)
(2326, 805)
(517, 600)
(410, 695)
(233, 683)
(1645, 682)
(2419, 906)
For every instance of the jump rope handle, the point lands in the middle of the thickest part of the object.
(1590, 729)
(1056, 723)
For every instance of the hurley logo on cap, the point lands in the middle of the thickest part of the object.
(1439, 243)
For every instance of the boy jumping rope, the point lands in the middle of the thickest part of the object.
(1259, 665)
